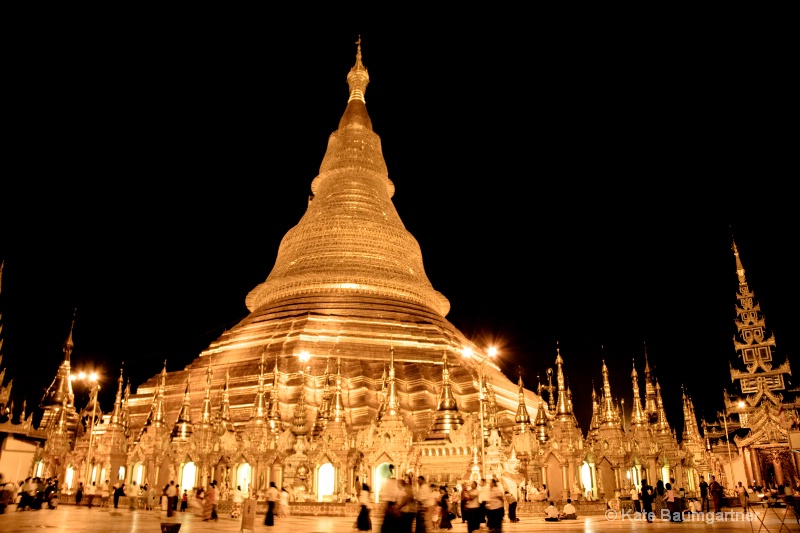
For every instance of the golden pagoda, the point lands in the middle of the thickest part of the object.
(348, 285)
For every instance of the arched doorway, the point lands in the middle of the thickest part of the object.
(188, 475)
(383, 472)
(244, 477)
(137, 473)
(326, 482)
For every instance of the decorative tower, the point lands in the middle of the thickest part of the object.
(59, 390)
(447, 418)
(763, 413)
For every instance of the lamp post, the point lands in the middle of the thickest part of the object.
(94, 387)
(491, 353)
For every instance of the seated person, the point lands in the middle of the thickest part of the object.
(569, 512)
(551, 513)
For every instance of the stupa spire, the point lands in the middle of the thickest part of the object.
(522, 418)
(158, 405)
(638, 416)
(260, 408)
(650, 404)
(662, 426)
(61, 387)
(274, 413)
(563, 410)
(206, 415)
(341, 239)
(608, 413)
(392, 402)
(324, 411)
(183, 428)
(383, 397)
(337, 407)
(540, 425)
(446, 418)
(226, 422)
(116, 413)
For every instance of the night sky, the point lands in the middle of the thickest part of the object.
(580, 192)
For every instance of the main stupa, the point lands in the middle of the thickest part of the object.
(349, 288)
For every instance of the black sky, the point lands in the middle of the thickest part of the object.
(580, 191)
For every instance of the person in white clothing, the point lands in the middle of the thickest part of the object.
(551, 513)
(568, 512)
(237, 497)
(364, 522)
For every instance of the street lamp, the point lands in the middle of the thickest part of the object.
(491, 353)
(91, 379)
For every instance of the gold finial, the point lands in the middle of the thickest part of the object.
(358, 78)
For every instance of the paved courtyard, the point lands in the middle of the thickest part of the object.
(71, 519)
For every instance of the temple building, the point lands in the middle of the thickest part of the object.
(347, 371)
(762, 415)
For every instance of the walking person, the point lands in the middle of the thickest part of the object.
(444, 511)
(283, 507)
(172, 498)
(212, 499)
(512, 507)
(364, 522)
(741, 492)
(647, 501)
(119, 492)
(715, 489)
(272, 497)
(635, 499)
(407, 505)
(703, 495)
(472, 508)
(91, 492)
(455, 502)
(132, 493)
(79, 494)
(495, 508)
(237, 498)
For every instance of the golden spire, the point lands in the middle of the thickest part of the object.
(351, 241)
(183, 428)
(383, 397)
(358, 78)
(324, 411)
(662, 426)
(540, 425)
(337, 407)
(739, 267)
(392, 403)
(523, 418)
(638, 417)
(594, 424)
(225, 420)
(206, 416)
(116, 414)
(259, 413)
(69, 344)
(158, 404)
(650, 406)
(274, 416)
(607, 416)
(563, 410)
(446, 418)
(61, 387)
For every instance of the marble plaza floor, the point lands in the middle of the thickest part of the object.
(71, 519)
